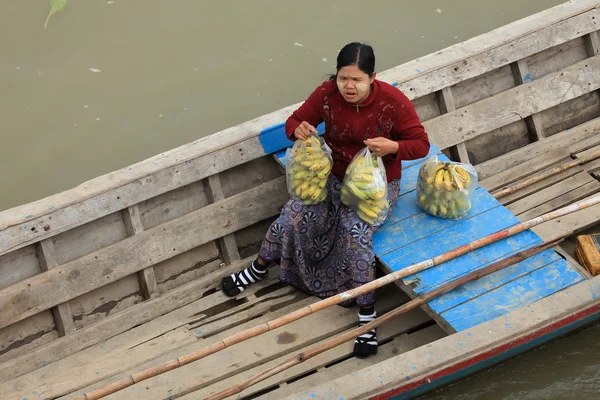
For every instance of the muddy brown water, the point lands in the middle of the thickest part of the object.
(110, 83)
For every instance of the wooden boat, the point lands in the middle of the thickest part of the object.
(121, 273)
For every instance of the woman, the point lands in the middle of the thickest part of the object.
(326, 249)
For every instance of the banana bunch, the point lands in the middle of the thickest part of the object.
(308, 171)
(443, 189)
(364, 191)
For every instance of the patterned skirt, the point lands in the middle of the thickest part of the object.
(325, 249)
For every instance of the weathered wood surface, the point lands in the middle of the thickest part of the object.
(570, 139)
(115, 324)
(534, 121)
(146, 277)
(137, 252)
(575, 222)
(515, 104)
(227, 243)
(63, 318)
(19, 265)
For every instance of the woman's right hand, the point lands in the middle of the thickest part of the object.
(304, 130)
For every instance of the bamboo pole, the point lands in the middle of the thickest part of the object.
(353, 333)
(331, 301)
(545, 174)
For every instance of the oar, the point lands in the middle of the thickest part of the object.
(545, 174)
(331, 301)
(417, 302)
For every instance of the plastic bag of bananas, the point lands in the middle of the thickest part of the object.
(308, 165)
(364, 188)
(444, 188)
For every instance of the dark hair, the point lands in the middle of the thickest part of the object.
(358, 54)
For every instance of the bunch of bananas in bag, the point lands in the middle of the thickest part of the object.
(444, 188)
(364, 188)
(308, 165)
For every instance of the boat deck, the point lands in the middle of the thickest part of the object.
(214, 317)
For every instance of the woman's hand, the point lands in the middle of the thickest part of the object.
(304, 130)
(381, 146)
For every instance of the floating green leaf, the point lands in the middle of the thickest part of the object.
(55, 6)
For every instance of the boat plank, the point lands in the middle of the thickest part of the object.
(386, 332)
(26, 336)
(521, 75)
(524, 169)
(514, 104)
(562, 200)
(17, 266)
(255, 352)
(477, 288)
(227, 243)
(131, 255)
(146, 277)
(50, 383)
(561, 249)
(432, 278)
(552, 192)
(536, 187)
(572, 223)
(523, 291)
(399, 345)
(569, 139)
(395, 235)
(116, 324)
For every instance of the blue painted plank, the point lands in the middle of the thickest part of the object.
(521, 292)
(467, 292)
(393, 236)
(274, 139)
(472, 261)
(432, 150)
(457, 234)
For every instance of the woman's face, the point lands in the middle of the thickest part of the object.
(354, 84)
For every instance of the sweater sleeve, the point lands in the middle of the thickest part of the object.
(309, 111)
(412, 139)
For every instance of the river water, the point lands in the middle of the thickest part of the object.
(110, 83)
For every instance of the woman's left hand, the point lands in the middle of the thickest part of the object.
(381, 146)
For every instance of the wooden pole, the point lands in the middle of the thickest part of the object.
(545, 174)
(417, 302)
(325, 303)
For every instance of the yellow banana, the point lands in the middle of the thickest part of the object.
(317, 193)
(447, 176)
(439, 176)
(376, 194)
(301, 174)
(361, 184)
(363, 177)
(311, 190)
(356, 191)
(365, 209)
(322, 183)
(365, 217)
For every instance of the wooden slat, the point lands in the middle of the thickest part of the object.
(146, 277)
(524, 291)
(521, 75)
(256, 351)
(446, 102)
(120, 322)
(572, 223)
(50, 383)
(524, 169)
(574, 195)
(227, 244)
(560, 249)
(399, 345)
(512, 105)
(63, 318)
(494, 49)
(550, 193)
(384, 333)
(137, 252)
(592, 43)
(570, 139)
(536, 187)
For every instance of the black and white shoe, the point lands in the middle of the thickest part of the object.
(236, 283)
(366, 344)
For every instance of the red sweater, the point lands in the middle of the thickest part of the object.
(386, 112)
